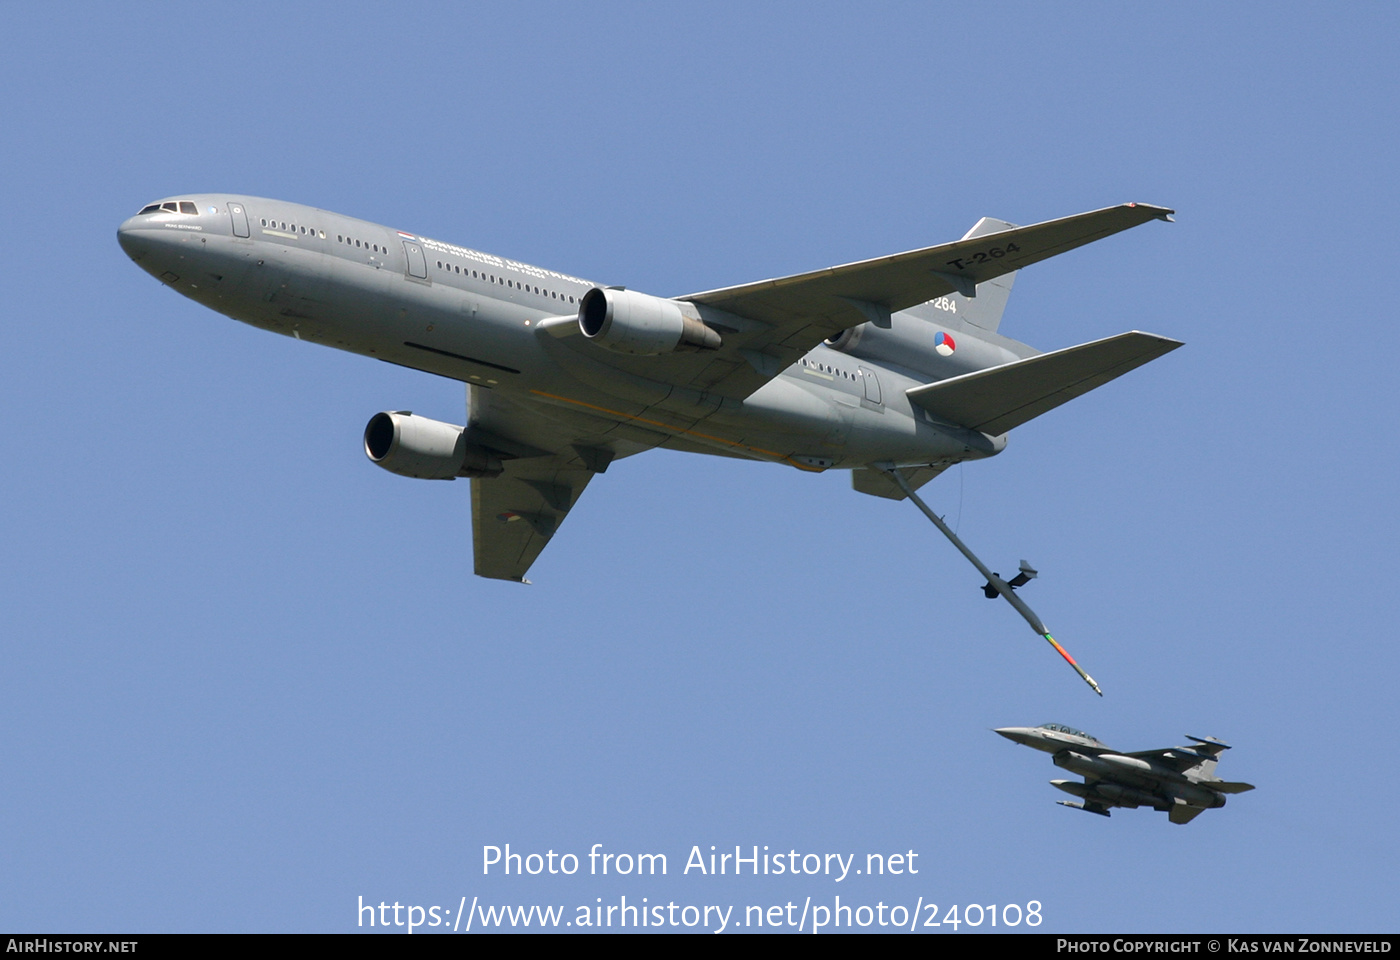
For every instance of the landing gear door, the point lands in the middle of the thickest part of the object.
(239, 216)
(871, 383)
(417, 264)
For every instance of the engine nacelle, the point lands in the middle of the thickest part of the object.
(426, 449)
(629, 322)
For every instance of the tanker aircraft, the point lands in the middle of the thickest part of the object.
(891, 368)
(1179, 781)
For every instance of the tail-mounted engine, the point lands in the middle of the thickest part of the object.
(922, 346)
(426, 449)
(630, 322)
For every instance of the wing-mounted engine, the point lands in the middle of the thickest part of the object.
(426, 449)
(937, 350)
(629, 322)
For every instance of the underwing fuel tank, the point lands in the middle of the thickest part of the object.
(1107, 765)
(1109, 792)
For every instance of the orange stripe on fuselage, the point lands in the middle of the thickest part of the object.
(672, 428)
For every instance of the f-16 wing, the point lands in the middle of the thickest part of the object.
(1175, 758)
(767, 326)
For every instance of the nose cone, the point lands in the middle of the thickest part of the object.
(156, 248)
(1022, 735)
(130, 236)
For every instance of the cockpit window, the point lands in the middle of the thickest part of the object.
(170, 206)
(1061, 728)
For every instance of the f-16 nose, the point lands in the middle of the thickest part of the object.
(1021, 735)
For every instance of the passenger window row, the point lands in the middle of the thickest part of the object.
(362, 244)
(828, 368)
(448, 267)
(293, 228)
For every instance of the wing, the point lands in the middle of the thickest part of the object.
(769, 325)
(514, 515)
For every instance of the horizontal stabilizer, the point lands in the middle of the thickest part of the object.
(997, 399)
(1209, 745)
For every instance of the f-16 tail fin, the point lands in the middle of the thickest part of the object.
(999, 398)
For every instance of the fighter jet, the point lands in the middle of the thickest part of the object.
(1179, 781)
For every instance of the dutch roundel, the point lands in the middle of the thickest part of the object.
(944, 344)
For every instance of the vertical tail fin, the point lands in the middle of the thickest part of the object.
(984, 310)
(1210, 749)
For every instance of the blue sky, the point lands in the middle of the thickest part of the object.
(250, 679)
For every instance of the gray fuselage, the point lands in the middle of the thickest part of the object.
(477, 318)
